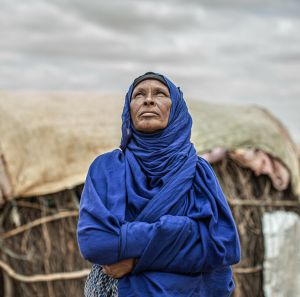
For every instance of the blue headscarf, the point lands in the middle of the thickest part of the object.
(157, 201)
(179, 120)
(167, 159)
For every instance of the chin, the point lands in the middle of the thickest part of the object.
(149, 128)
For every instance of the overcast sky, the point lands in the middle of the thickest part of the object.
(245, 51)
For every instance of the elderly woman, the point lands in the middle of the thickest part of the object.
(152, 214)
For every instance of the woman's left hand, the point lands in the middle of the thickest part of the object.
(119, 269)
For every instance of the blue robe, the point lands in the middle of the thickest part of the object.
(156, 200)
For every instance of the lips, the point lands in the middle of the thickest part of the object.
(149, 113)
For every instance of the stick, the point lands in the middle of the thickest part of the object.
(273, 203)
(244, 270)
(43, 277)
(43, 220)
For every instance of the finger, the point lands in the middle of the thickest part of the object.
(114, 276)
(106, 270)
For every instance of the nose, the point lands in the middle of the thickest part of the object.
(149, 100)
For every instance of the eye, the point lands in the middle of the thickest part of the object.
(160, 93)
(138, 94)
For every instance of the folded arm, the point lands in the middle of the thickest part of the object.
(178, 244)
(202, 240)
(184, 244)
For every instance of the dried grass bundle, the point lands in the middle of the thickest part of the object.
(249, 196)
(39, 235)
(44, 244)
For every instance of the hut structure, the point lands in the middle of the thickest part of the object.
(48, 140)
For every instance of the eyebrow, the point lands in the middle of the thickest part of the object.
(161, 89)
(138, 89)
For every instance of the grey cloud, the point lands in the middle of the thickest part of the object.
(241, 51)
(263, 8)
(133, 16)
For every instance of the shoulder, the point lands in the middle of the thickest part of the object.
(108, 161)
(206, 168)
(204, 163)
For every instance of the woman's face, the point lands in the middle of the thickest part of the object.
(150, 106)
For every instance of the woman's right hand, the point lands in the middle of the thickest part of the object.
(119, 269)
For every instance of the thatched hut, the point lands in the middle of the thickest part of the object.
(48, 141)
(257, 165)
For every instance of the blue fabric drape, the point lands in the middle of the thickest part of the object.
(156, 200)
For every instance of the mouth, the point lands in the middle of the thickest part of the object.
(149, 114)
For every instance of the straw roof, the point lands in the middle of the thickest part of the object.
(233, 127)
(48, 139)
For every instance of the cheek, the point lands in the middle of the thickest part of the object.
(133, 110)
(167, 109)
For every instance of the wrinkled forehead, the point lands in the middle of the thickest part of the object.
(150, 83)
(173, 90)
